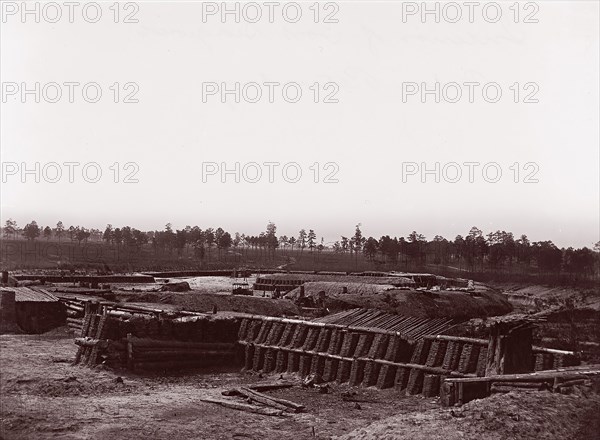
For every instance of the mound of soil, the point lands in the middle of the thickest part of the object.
(524, 415)
(181, 286)
(453, 304)
(205, 302)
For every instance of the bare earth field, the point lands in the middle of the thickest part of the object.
(43, 396)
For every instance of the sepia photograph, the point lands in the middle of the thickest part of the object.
(311, 219)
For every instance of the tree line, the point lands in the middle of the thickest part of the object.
(495, 251)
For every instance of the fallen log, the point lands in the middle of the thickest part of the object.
(196, 346)
(171, 364)
(270, 386)
(263, 400)
(531, 385)
(205, 354)
(162, 344)
(244, 407)
(273, 401)
(570, 383)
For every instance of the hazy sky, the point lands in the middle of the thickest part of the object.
(369, 56)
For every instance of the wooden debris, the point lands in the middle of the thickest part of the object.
(244, 407)
(286, 405)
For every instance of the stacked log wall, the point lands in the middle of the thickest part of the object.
(369, 357)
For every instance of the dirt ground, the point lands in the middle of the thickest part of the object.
(44, 397)
(529, 415)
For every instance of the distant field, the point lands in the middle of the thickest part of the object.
(102, 258)
(41, 254)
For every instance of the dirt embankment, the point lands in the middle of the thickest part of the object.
(205, 302)
(572, 316)
(526, 297)
(454, 304)
(516, 415)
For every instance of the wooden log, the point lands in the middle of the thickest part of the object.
(415, 382)
(299, 336)
(457, 339)
(363, 346)
(258, 359)
(343, 373)
(431, 385)
(169, 354)
(317, 367)
(506, 389)
(281, 361)
(357, 373)
(330, 370)
(311, 338)
(293, 362)
(371, 373)
(532, 385)
(284, 404)
(323, 340)
(448, 394)
(264, 401)
(269, 361)
(570, 383)
(119, 314)
(149, 344)
(74, 308)
(243, 330)
(421, 352)
(244, 407)
(171, 364)
(530, 377)
(552, 351)
(182, 350)
(270, 386)
(386, 377)
(286, 336)
(309, 354)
